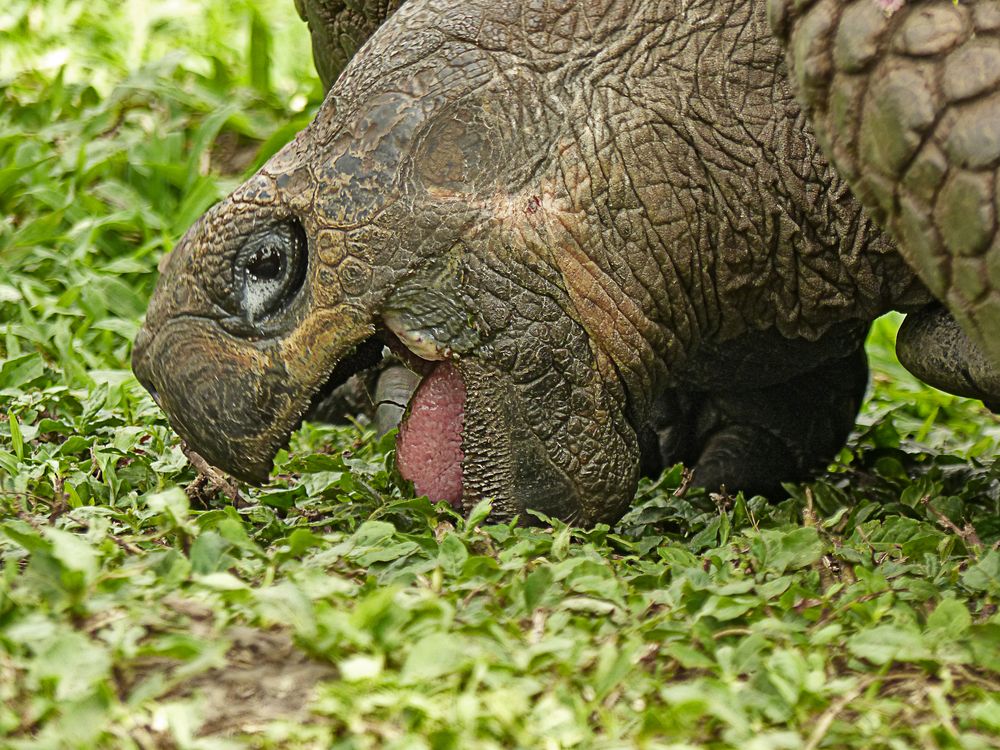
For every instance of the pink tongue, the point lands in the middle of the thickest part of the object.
(429, 444)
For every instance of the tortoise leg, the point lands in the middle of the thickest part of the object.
(667, 437)
(755, 439)
(932, 345)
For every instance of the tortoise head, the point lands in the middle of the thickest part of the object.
(422, 208)
(282, 282)
(247, 324)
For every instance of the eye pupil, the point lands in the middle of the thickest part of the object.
(265, 264)
(270, 268)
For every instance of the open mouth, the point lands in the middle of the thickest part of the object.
(429, 441)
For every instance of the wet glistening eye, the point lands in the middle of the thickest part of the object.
(267, 264)
(271, 267)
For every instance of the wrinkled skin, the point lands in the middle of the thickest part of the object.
(614, 220)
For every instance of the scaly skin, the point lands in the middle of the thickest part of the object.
(339, 28)
(615, 216)
(907, 105)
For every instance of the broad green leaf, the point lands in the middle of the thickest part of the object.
(479, 513)
(208, 554)
(172, 504)
(536, 585)
(985, 574)
(949, 620)
(887, 643)
(74, 662)
(452, 555)
(433, 657)
(19, 372)
(73, 553)
(792, 550)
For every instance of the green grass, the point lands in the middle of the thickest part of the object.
(139, 609)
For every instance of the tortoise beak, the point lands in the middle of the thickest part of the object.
(229, 402)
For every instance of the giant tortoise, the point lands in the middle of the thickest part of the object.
(608, 234)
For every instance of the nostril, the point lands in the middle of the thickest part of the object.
(147, 384)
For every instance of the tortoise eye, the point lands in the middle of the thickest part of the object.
(270, 268)
(266, 264)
